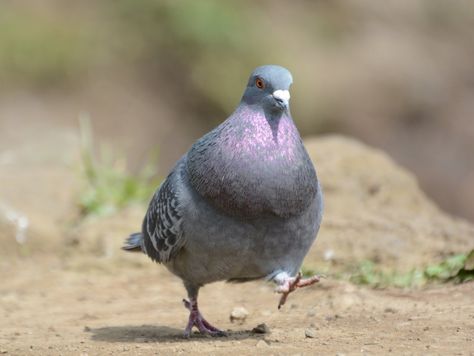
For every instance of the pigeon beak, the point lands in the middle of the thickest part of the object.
(282, 97)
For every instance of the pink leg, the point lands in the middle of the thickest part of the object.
(289, 284)
(197, 320)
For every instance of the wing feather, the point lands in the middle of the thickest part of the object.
(162, 226)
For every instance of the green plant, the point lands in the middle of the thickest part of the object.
(458, 268)
(108, 186)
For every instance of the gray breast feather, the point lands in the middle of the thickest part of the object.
(162, 229)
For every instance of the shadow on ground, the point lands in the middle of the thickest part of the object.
(157, 333)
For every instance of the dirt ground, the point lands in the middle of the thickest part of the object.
(84, 306)
(70, 290)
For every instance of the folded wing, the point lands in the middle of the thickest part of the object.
(162, 226)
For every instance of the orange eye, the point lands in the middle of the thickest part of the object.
(259, 83)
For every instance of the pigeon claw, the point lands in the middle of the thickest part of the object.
(290, 284)
(197, 320)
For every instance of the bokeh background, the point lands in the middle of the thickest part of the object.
(152, 76)
(98, 99)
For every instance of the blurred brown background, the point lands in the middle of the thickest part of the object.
(155, 75)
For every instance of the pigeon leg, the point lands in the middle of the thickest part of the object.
(197, 320)
(289, 284)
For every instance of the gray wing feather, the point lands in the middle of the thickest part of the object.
(162, 227)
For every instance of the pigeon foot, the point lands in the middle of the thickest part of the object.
(291, 283)
(197, 320)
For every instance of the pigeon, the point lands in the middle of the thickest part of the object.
(244, 203)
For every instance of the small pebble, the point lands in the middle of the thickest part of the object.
(238, 314)
(312, 313)
(87, 329)
(261, 329)
(262, 343)
(310, 333)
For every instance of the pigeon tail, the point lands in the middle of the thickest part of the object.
(134, 243)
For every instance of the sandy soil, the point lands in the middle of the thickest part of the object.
(85, 306)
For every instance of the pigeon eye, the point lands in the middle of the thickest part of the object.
(259, 83)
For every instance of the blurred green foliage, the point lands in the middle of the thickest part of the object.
(40, 51)
(107, 184)
(458, 268)
(185, 44)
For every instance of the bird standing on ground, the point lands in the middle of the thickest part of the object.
(244, 203)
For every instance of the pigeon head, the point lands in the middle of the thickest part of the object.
(268, 86)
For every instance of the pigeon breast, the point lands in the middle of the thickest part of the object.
(253, 165)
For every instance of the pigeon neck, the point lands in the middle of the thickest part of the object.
(263, 129)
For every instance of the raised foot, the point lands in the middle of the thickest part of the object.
(291, 283)
(197, 320)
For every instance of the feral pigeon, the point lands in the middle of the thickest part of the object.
(244, 203)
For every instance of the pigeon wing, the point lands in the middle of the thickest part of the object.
(162, 226)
